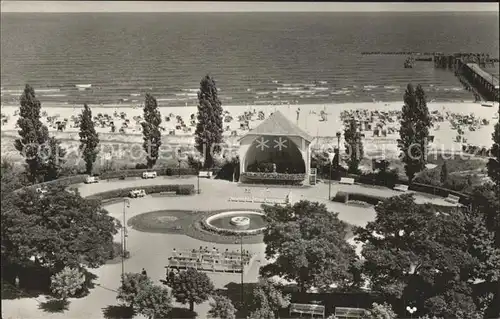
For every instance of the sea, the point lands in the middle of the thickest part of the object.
(255, 58)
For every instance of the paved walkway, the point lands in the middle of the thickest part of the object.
(151, 250)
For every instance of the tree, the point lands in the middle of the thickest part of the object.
(379, 311)
(53, 159)
(221, 308)
(353, 146)
(151, 130)
(132, 284)
(414, 131)
(153, 302)
(192, 286)
(307, 244)
(89, 139)
(57, 228)
(33, 134)
(420, 253)
(268, 299)
(444, 174)
(262, 313)
(12, 178)
(209, 128)
(494, 162)
(67, 282)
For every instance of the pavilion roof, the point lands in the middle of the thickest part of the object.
(278, 124)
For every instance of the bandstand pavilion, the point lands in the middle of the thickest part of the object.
(276, 146)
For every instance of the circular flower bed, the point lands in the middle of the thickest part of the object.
(208, 223)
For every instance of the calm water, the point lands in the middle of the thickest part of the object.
(254, 57)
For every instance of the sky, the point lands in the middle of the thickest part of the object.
(205, 6)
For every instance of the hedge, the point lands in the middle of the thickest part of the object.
(440, 191)
(344, 197)
(275, 178)
(179, 189)
(138, 172)
(63, 182)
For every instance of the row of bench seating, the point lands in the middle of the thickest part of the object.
(259, 200)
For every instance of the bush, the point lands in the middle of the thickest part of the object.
(67, 282)
(141, 166)
(341, 197)
(182, 189)
(64, 182)
(132, 284)
(344, 197)
(429, 177)
(370, 199)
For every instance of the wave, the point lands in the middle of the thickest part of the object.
(391, 87)
(322, 82)
(187, 94)
(191, 90)
(341, 92)
(370, 87)
(320, 88)
(135, 94)
(46, 90)
(262, 93)
(54, 95)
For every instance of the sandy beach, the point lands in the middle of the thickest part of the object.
(309, 119)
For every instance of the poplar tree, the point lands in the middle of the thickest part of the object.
(354, 146)
(151, 130)
(209, 128)
(414, 131)
(89, 139)
(33, 134)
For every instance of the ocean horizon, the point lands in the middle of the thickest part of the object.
(255, 58)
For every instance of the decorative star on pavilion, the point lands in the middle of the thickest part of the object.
(262, 143)
(280, 143)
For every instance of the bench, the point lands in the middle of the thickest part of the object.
(401, 187)
(345, 180)
(309, 309)
(206, 174)
(452, 199)
(348, 313)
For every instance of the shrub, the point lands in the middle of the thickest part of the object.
(141, 166)
(67, 282)
(221, 308)
(341, 197)
(182, 189)
(379, 311)
(132, 283)
(370, 199)
(429, 177)
(64, 182)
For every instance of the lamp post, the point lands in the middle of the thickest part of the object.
(179, 160)
(338, 134)
(330, 159)
(241, 261)
(126, 203)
